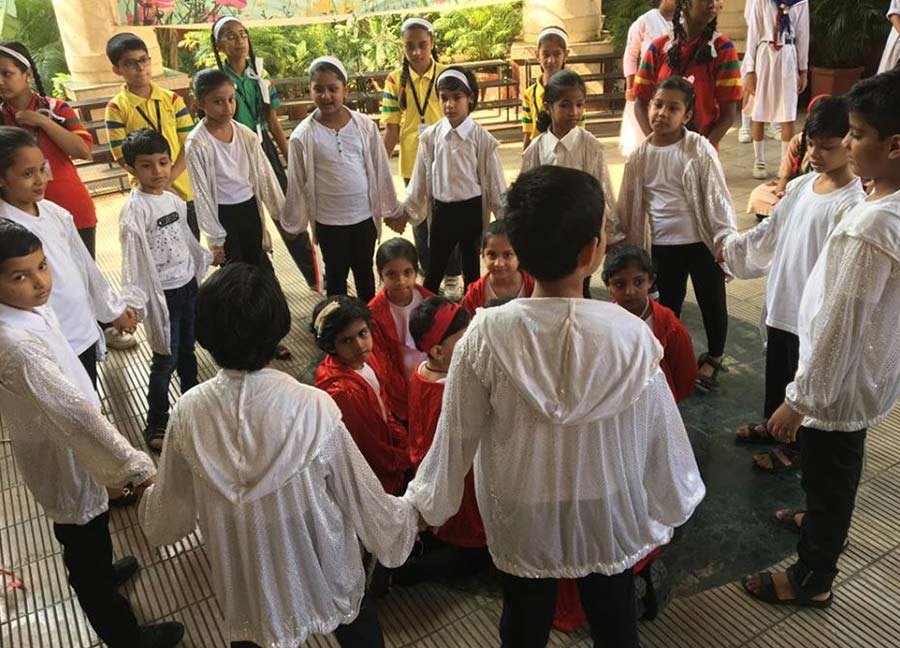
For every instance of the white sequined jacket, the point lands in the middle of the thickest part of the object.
(582, 462)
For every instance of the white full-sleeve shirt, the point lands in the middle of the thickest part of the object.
(455, 167)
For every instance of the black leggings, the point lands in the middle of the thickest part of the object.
(673, 264)
(244, 235)
(452, 224)
(345, 248)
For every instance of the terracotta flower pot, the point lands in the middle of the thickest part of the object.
(833, 82)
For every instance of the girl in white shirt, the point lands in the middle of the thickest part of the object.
(339, 181)
(675, 202)
(891, 55)
(457, 181)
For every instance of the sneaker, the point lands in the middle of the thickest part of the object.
(124, 569)
(759, 171)
(775, 131)
(119, 341)
(744, 136)
(160, 635)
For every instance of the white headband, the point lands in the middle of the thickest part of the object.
(416, 22)
(218, 28)
(553, 31)
(331, 61)
(454, 74)
(323, 315)
(16, 55)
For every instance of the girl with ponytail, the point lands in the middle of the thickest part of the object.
(707, 59)
(57, 129)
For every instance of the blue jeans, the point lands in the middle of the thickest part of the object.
(180, 303)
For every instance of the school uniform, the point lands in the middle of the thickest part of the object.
(777, 51)
(533, 104)
(457, 184)
(283, 498)
(480, 292)
(891, 55)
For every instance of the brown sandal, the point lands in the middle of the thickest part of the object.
(782, 459)
(756, 434)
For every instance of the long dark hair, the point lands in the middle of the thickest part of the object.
(404, 75)
(557, 85)
(262, 108)
(16, 46)
(701, 54)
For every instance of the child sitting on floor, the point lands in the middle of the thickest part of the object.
(280, 489)
(504, 278)
(628, 274)
(353, 376)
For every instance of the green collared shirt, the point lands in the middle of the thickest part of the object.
(247, 98)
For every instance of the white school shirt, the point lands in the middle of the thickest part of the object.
(564, 152)
(411, 355)
(671, 222)
(368, 374)
(81, 295)
(342, 183)
(283, 498)
(788, 243)
(232, 171)
(65, 449)
(455, 167)
(167, 235)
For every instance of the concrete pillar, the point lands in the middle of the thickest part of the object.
(582, 19)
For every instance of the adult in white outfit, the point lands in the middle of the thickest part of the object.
(643, 31)
(891, 55)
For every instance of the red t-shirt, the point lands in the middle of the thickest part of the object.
(715, 83)
(66, 188)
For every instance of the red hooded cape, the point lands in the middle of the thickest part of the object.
(678, 363)
(476, 294)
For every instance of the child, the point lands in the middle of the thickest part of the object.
(162, 263)
(560, 143)
(394, 348)
(786, 246)
(340, 182)
(280, 490)
(65, 449)
(82, 296)
(628, 274)
(551, 53)
(354, 378)
(457, 181)
(675, 202)
(700, 53)
(848, 375)
(574, 427)
(776, 62)
(257, 99)
(504, 279)
(142, 103)
(653, 24)
(891, 55)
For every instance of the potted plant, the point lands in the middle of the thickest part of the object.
(842, 31)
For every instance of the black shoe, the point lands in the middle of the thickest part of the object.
(125, 569)
(160, 635)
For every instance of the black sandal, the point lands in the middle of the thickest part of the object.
(783, 459)
(789, 520)
(152, 434)
(707, 384)
(757, 434)
(767, 594)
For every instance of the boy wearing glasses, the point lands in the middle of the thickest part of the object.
(143, 104)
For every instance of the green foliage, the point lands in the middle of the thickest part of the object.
(843, 30)
(618, 16)
(480, 33)
(37, 29)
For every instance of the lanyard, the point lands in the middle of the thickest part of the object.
(421, 108)
(158, 125)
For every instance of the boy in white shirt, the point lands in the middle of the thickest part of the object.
(65, 449)
(584, 465)
(162, 263)
(848, 377)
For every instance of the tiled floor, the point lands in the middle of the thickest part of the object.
(729, 532)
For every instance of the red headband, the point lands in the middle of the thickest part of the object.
(812, 102)
(442, 319)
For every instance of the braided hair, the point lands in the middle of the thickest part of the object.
(700, 54)
(404, 74)
(35, 74)
(556, 87)
(262, 108)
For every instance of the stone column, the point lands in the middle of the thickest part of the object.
(582, 19)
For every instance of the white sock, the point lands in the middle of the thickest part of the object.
(759, 151)
(784, 148)
(745, 121)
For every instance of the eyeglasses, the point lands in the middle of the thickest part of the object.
(233, 37)
(137, 64)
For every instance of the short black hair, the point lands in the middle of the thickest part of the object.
(624, 256)
(16, 241)
(828, 117)
(455, 85)
(143, 141)
(205, 81)
(13, 138)
(242, 315)
(877, 101)
(494, 228)
(349, 310)
(395, 248)
(120, 44)
(421, 319)
(551, 214)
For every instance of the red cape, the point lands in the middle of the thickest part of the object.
(382, 442)
(388, 349)
(475, 295)
(678, 363)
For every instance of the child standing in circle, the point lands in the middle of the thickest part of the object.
(458, 180)
(340, 182)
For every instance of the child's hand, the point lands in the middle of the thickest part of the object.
(801, 82)
(31, 118)
(749, 84)
(784, 423)
(218, 255)
(780, 189)
(126, 322)
(140, 489)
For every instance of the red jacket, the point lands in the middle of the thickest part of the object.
(678, 363)
(388, 349)
(382, 442)
(465, 529)
(475, 295)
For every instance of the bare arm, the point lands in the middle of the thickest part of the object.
(177, 169)
(391, 137)
(71, 143)
(643, 117)
(727, 115)
(277, 131)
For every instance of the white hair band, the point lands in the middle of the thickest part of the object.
(219, 25)
(16, 55)
(417, 22)
(323, 316)
(553, 31)
(331, 61)
(454, 74)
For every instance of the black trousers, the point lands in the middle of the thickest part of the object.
(88, 557)
(88, 359)
(530, 603)
(88, 236)
(453, 224)
(831, 464)
(782, 357)
(243, 234)
(192, 220)
(345, 248)
(420, 238)
(673, 265)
